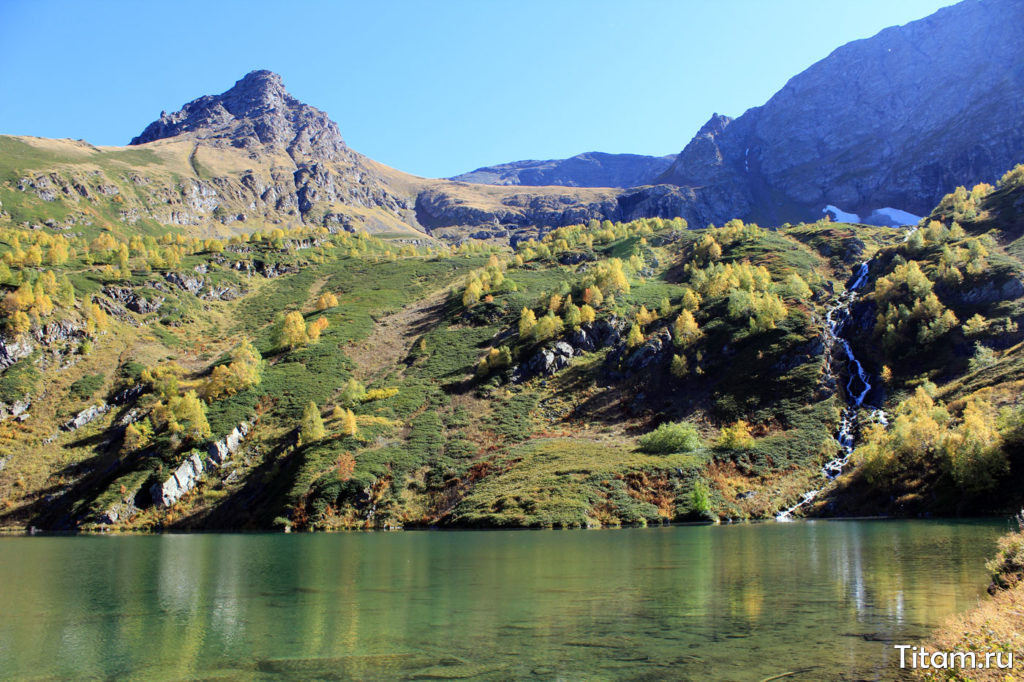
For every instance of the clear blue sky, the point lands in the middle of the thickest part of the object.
(431, 87)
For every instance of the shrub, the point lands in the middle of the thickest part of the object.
(670, 437)
(1007, 567)
(378, 394)
(736, 437)
(700, 499)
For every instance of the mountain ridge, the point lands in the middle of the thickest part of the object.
(810, 144)
(589, 169)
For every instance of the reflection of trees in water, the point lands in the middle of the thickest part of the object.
(597, 602)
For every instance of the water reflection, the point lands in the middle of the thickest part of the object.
(743, 602)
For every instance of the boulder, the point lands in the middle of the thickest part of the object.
(12, 350)
(89, 414)
(222, 450)
(16, 409)
(192, 285)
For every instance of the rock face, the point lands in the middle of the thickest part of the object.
(589, 337)
(195, 465)
(591, 169)
(898, 119)
(132, 300)
(257, 111)
(89, 414)
(259, 116)
(12, 350)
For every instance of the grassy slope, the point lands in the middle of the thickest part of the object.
(449, 447)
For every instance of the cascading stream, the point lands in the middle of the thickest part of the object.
(857, 387)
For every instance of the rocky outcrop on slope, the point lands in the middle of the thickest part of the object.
(195, 465)
(588, 338)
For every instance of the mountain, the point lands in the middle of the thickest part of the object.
(590, 169)
(256, 113)
(881, 128)
(896, 120)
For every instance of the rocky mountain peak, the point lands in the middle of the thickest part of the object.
(257, 112)
(700, 161)
(257, 93)
(715, 126)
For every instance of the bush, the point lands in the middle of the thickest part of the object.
(1007, 567)
(670, 437)
(84, 388)
(700, 499)
(735, 437)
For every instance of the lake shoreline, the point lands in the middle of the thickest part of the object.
(38, 532)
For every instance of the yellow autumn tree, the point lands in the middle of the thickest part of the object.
(685, 330)
(326, 300)
(348, 423)
(316, 328)
(527, 321)
(737, 436)
(293, 332)
(635, 337)
(312, 427)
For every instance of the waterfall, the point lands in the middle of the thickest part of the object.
(857, 388)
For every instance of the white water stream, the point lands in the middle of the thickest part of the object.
(857, 387)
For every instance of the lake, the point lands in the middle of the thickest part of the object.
(826, 599)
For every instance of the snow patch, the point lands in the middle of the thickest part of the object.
(841, 216)
(893, 217)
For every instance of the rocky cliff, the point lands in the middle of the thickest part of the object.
(898, 119)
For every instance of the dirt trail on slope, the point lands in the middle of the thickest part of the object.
(392, 337)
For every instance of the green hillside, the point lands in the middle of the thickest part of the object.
(626, 373)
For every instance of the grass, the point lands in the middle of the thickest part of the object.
(86, 387)
(575, 483)
(20, 380)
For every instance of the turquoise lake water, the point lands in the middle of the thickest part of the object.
(824, 599)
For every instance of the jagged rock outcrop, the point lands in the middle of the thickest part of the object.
(121, 510)
(256, 112)
(590, 169)
(12, 350)
(625, 362)
(589, 337)
(180, 482)
(86, 416)
(221, 450)
(133, 301)
(898, 120)
(15, 409)
(189, 283)
(195, 465)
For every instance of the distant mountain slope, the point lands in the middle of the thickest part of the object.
(590, 169)
(883, 126)
(898, 120)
